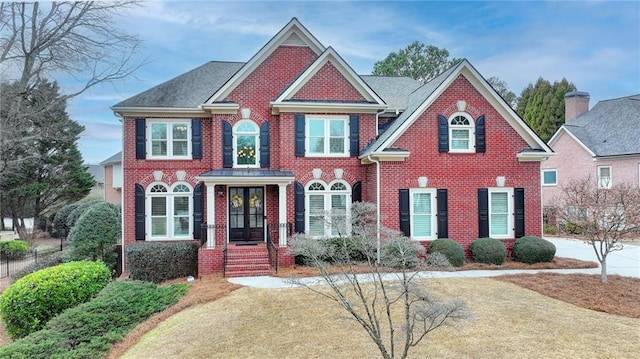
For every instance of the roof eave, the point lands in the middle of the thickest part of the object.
(158, 111)
(534, 156)
(384, 157)
(278, 107)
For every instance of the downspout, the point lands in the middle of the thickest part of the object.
(378, 114)
(378, 204)
(121, 120)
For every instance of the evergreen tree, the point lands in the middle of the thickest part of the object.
(502, 88)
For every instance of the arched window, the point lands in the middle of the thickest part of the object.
(169, 211)
(329, 206)
(246, 144)
(461, 133)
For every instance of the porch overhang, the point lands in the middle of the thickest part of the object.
(533, 155)
(247, 176)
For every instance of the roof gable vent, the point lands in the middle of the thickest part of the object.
(294, 40)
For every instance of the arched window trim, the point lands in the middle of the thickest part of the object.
(168, 217)
(256, 149)
(470, 128)
(329, 229)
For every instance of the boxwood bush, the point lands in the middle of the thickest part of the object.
(532, 249)
(488, 250)
(30, 302)
(450, 248)
(157, 262)
(15, 249)
(60, 227)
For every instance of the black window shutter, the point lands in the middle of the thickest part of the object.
(481, 142)
(141, 145)
(354, 135)
(443, 134)
(198, 210)
(265, 134)
(443, 213)
(483, 212)
(196, 139)
(139, 212)
(299, 207)
(518, 204)
(300, 137)
(403, 207)
(227, 145)
(356, 192)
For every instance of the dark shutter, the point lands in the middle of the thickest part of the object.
(139, 212)
(299, 207)
(300, 135)
(196, 139)
(481, 143)
(354, 135)
(265, 134)
(198, 210)
(227, 145)
(518, 204)
(356, 192)
(403, 207)
(443, 134)
(483, 212)
(141, 145)
(443, 213)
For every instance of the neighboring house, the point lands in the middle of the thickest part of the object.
(602, 143)
(256, 151)
(113, 178)
(97, 172)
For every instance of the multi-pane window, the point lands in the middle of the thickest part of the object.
(604, 177)
(461, 135)
(549, 177)
(422, 204)
(328, 209)
(501, 213)
(169, 211)
(246, 144)
(169, 139)
(327, 136)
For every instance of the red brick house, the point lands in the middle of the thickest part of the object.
(256, 151)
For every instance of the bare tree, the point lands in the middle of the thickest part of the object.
(388, 300)
(602, 216)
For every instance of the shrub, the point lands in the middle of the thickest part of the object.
(488, 250)
(349, 248)
(77, 212)
(15, 249)
(532, 249)
(60, 227)
(437, 259)
(157, 262)
(450, 248)
(30, 302)
(44, 261)
(549, 229)
(401, 253)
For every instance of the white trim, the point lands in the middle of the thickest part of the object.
(542, 171)
(604, 182)
(169, 138)
(169, 206)
(434, 220)
(510, 212)
(326, 119)
(331, 107)
(563, 128)
(158, 111)
(245, 181)
(326, 194)
(471, 128)
(385, 156)
(256, 150)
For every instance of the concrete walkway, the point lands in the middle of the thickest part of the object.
(625, 263)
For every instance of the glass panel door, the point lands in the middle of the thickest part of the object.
(246, 214)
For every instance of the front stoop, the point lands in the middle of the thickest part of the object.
(247, 261)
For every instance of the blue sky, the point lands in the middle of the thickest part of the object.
(595, 45)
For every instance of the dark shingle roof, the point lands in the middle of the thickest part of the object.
(116, 158)
(610, 128)
(393, 90)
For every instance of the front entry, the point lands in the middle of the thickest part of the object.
(246, 214)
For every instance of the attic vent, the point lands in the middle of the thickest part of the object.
(294, 40)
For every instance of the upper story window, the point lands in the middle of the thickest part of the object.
(327, 136)
(329, 205)
(169, 139)
(169, 211)
(246, 144)
(550, 177)
(604, 177)
(461, 134)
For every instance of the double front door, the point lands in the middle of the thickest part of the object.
(246, 214)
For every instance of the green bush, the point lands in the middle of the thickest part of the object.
(532, 249)
(158, 261)
(354, 249)
(60, 227)
(401, 253)
(30, 302)
(488, 250)
(15, 249)
(77, 212)
(549, 229)
(91, 329)
(44, 261)
(450, 248)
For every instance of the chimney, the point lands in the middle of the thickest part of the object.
(575, 104)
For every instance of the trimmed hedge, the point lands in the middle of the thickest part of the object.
(450, 248)
(28, 304)
(160, 261)
(532, 249)
(44, 261)
(488, 250)
(15, 249)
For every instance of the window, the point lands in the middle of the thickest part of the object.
(170, 211)
(604, 177)
(550, 177)
(327, 136)
(461, 134)
(328, 206)
(169, 139)
(501, 213)
(422, 204)
(246, 142)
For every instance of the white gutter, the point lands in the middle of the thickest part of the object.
(378, 114)
(378, 205)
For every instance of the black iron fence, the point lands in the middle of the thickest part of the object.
(9, 266)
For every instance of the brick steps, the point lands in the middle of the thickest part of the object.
(247, 261)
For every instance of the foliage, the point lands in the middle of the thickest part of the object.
(60, 220)
(450, 248)
(77, 212)
(542, 106)
(157, 262)
(30, 302)
(91, 329)
(488, 250)
(400, 253)
(502, 89)
(438, 260)
(418, 61)
(44, 261)
(15, 249)
(532, 249)
(603, 217)
(550, 229)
